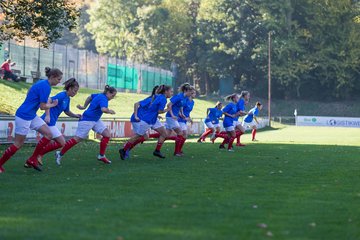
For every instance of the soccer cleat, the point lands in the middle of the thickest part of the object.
(255, 140)
(32, 164)
(199, 141)
(39, 158)
(240, 145)
(158, 154)
(122, 153)
(221, 147)
(103, 159)
(58, 158)
(178, 155)
(212, 140)
(230, 150)
(2, 170)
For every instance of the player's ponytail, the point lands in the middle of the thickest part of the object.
(71, 83)
(230, 97)
(258, 104)
(162, 89)
(109, 89)
(244, 94)
(185, 87)
(52, 72)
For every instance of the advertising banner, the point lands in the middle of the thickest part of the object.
(328, 121)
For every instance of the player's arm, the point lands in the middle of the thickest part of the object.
(181, 114)
(72, 115)
(207, 111)
(107, 110)
(86, 104)
(50, 103)
(47, 116)
(169, 106)
(230, 115)
(136, 108)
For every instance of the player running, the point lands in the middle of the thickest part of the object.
(212, 122)
(26, 118)
(250, 120)
(51, 116)
(175, 106)
(240, 130)
(145, 117)
(99, 104)
(188, 107)
(230, 112)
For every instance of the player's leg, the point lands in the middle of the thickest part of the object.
(140, 129)
(58, 142)
(40, 126)
(160, 129)
(254, 129)
(232, 136)
(10, 151)
(240, 130)
(101, 129)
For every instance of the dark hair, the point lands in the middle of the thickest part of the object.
(218, 104)
(109, 89)
(258, 104)
(185, 87)
(70, 84)
(163, 88)
(52, 72)
(244, 93)
(230, 97)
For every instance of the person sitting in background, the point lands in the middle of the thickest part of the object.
(7, 70)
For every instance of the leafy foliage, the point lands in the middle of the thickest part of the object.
(42, 20)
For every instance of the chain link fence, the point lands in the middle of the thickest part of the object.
(92, 70)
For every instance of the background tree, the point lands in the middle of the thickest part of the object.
(42, 20)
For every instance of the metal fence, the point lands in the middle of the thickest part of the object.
(92, 70)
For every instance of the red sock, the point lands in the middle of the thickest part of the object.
(50, 147)
(128, 145)
(221, 135)
(206, 133)
(40, 146)
(9, 152)
(226, 140)
(231, 141)
(68, 145)
(158, 146)
(140, 140)
(238, 135)
(171, 138)
(178, 141)
(154, 135)
(253, 134)
(182, 144)
(103, 145)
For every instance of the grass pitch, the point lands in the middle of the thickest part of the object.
(296, 183)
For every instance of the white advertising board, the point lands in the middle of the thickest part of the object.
(328, 121)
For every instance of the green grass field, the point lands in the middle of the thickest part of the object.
(296, 183)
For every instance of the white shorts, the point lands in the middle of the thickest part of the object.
(248, 125)
(229, 129)
(212, 125)
(22, 127)
(237, 123)
(55, 132)
(84, 128)
(183, 126)
(140, 128)
(172, 123)
(157, 125)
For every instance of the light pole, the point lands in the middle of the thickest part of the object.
(269, 79)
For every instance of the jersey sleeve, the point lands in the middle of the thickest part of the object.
(145, 102)
(44, 93)
(227, 108)
(104, 103)
(175, 99)
(93, 95)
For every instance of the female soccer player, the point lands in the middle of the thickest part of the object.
(188, 107)
(251, 117)
(145, 117)
(240, 130)
(212, 122)
(99, 104)
(230, 112)
(51, 116)
(175, 107)
(26, 118)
